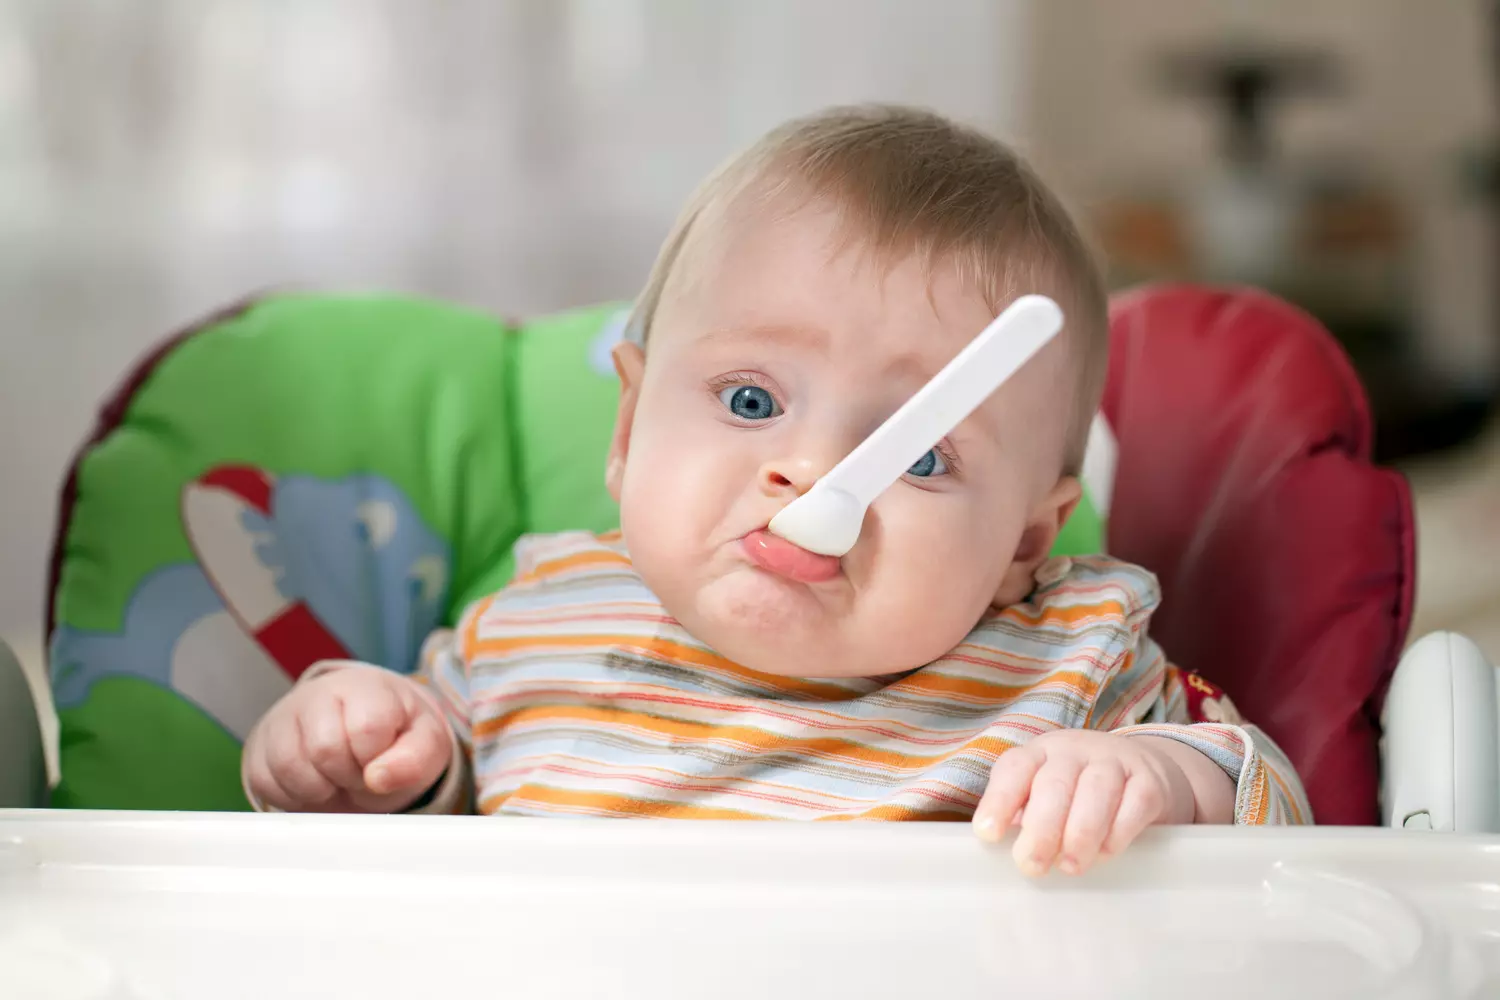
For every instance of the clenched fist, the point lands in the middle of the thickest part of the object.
(354, 739)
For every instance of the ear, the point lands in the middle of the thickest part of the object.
(630, 365)
(1043, 525)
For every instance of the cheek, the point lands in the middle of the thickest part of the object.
(681, 470)
(933, 572)
(958, 546)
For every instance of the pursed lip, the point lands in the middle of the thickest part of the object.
(776, 555)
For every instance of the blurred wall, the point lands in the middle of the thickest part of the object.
(1418, 88)
(160, 157)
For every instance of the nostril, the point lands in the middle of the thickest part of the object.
(777, 479)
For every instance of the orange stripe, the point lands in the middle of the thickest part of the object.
(610, 769)
(806, 717)
(752, 738)
(1294, 813)
(1070, 616)
(898, 814)
(665, 650)
(545, 796)
(589, 559)
(582, 767)
(708, 785)
(619, 805)
(805, 713)
(993, 659)
(469, 641)
(677, 653)
(937, 683)
(1255, 812)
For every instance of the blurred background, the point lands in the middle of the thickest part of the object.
(161, 157)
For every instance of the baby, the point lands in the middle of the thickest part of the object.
(694, 665)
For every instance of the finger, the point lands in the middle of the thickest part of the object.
(1100, 789)
(1142, 804)
(415, 761)
(1047, 807)
(1005, 794)
(262, 780)
(288, 763)
(285, 762)
(373, 720)
(326, 744)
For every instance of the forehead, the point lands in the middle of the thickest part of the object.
(786, 264)
(796, 282)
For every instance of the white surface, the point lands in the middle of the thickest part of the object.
(1441, 751)
(180, 906)
(827, 518)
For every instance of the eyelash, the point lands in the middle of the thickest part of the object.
(722, 382)
(949, 457)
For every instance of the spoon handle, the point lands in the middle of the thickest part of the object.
(999, 351)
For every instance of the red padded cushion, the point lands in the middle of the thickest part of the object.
(1285, 557)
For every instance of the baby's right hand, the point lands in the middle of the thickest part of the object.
(356, 739)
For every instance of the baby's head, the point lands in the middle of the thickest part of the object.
(809, 288)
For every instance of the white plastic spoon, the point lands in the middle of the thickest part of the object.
(827, 518)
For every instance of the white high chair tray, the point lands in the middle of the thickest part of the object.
(185, 906)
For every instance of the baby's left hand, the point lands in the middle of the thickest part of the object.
(1078, 794)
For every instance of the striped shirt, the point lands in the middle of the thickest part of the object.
(573, 693)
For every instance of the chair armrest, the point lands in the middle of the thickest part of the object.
(23, 764)
(1441, 749)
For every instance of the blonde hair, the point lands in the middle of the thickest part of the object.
(911, 181)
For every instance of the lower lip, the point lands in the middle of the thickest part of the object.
(779, 556)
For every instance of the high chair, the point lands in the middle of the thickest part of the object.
(1235, 465)
(1287, 560)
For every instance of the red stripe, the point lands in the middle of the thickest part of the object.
(296, 640)
(245, 481)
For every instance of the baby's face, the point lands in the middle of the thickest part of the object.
(772, 355)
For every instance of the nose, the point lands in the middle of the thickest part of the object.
(790, 476)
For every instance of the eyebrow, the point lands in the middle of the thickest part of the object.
(909, 364)
(775, 333)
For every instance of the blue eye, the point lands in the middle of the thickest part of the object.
(930, 464)
(750, 402)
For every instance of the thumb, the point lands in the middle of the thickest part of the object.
(416, 760)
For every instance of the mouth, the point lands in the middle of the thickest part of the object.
(779, 556)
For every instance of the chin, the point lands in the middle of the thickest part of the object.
(762, 621)
(752, 600)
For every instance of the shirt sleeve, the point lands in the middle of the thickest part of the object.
(1150, 697)
(443, 673)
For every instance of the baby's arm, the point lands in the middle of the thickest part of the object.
(351, 737)
(1203, 727)
(1144, 760)
(1211, 790)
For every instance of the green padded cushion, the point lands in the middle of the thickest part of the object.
(309, 475)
